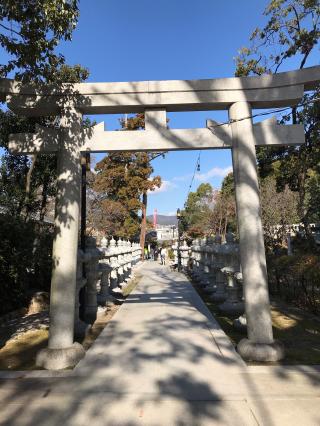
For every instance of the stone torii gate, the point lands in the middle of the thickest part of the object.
(238, 95)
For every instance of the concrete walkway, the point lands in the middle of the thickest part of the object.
(163, 361)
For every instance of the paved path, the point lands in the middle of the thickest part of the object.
(163, 361)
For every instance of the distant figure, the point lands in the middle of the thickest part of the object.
(152, 253)
(146, 253)
(163, 255)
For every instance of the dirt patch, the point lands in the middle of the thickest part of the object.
(22, 338)
(19, 353)
(299, 331)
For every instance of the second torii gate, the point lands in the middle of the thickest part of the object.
(238, 95)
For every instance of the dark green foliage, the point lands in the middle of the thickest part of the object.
(196, 211)
(25, 260)
(296, 279)
(292, 29)
(30, 31)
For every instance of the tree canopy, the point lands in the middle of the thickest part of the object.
(292, 30)
(120, 182)
(30, 33)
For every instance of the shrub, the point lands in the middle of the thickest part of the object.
(25, 260)
(296, 279)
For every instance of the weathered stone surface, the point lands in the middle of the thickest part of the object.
(39, 302)
(264, 352)
(57, 359)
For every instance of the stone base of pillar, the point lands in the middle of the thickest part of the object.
(57, 359)
(240, 323)
(262, 352)
(232, 307)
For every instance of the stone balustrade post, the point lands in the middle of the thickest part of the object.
(80, 327)
(220, 282)
(120, 263)
(240, 323)
(233, 304)
(197, 252)
(92, 274)
(207, 281)
(114, 265)
(175, 252)
(105, 268)
(129, 259)
(184, 249)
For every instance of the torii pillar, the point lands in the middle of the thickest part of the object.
(62, 351)
(260, 345)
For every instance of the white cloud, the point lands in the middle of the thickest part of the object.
(166, 186)
(182, 178)
(214, 172)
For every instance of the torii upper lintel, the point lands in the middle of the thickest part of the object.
(277, 90)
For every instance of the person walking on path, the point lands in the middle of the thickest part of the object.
(152, 253)
(161, 255)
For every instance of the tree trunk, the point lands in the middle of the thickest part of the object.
(143, 223)
(44, 198)
(26, 208)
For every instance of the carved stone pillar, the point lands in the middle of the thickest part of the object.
(62, 351)
(260, 345)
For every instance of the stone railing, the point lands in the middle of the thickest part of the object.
(216, 268)
(184, 254)
(104, 272)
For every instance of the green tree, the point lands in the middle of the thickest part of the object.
(196, 210)
(28, 182)
(122, 179)
(30, 33)
(137, 122)
(292, 30)
(279, 212)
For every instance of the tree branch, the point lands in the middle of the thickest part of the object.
(10, 29)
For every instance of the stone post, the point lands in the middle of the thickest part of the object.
(80, 327)
(233, 304)
(219, 262)
(115, 291)
(184, 255)
(104, 267)
(240, 323)
(62, 351)
(175, 252)
(92, 273)
(129, 259)
(260, 345)
(120, 263)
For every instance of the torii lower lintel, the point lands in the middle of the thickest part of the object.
(162, 139)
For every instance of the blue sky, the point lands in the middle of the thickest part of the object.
(166, 40)
(163, 40)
